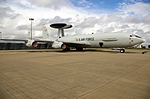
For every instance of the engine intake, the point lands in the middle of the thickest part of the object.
(31, 43)
(57, 44)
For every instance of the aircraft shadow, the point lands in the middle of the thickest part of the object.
(85, 50)
(94, 50)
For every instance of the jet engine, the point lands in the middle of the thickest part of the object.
(31, 43)
(57, 44)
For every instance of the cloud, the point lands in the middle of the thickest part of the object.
(132, 19)
(140, 9)
(55, 4)
(146, 19)
(7, 13)
(83, 3)
(88, 22)
(8, 19)
(128, 18)
(23, 27)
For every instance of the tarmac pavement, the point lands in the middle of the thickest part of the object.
(90, 74)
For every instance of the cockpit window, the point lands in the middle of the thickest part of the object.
(138, 36)
(134, 35)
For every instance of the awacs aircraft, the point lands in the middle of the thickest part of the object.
(109, 40)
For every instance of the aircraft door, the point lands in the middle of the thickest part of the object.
(101, 44)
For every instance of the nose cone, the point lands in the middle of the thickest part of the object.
(137, 41)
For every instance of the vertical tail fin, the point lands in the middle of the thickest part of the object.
(45, 32)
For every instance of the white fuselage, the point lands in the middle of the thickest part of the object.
(104, 40)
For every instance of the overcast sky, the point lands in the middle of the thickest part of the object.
(86, 16)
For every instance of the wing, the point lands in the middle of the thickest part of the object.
(14, 40)
(44, 40)
(26, 40)
(78, 44)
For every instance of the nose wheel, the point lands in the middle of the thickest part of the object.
(122, 50)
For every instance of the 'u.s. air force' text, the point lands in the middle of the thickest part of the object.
(85, 39)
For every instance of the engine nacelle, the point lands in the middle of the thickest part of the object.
(31, 43)
(57, 44)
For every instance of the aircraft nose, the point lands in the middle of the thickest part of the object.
(139, 41)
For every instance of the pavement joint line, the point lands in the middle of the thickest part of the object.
(108, 83)
(73, 77)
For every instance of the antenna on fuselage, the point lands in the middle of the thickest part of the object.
(60, 27)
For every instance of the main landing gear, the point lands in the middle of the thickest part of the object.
(66, 49)
(79, 48)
